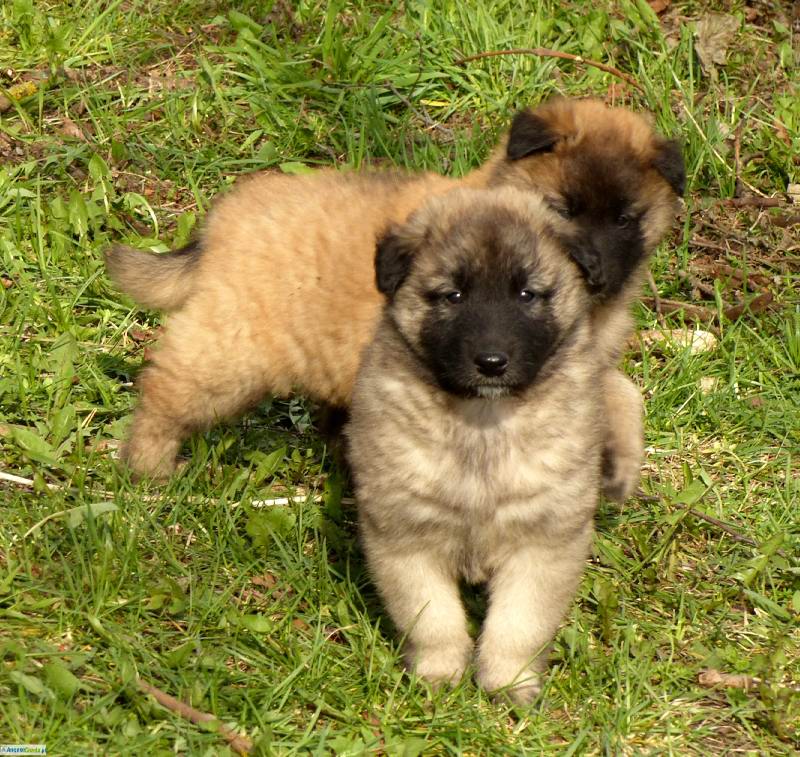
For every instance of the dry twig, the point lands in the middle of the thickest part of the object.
(712, 678)
(722, 526)
(651, 282)
(754, 202)
(694, 312)
(544, 52)
(716, 522)
(756, 305)
(706, 315)
(239, 744)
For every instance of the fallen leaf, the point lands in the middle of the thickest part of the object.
(708, 384)
(659, 6)
(142, 335)
(793, 190)
(267, 581)
(70, 129)
(755, 305)
(781, 133)
(697, 340)
(713, 36)
(712, 678)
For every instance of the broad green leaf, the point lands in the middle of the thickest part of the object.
(256, 623)
(79, 515)
(61, 679)
(264, 525)
(295, 169)
(176, 658)
(691, 493)
(33, 446)
(31, 684)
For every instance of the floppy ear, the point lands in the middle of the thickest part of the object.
(669, 163)
(393, 257)
(529, 134)
(591, 266)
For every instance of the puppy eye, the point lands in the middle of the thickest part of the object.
(564, 211)
(526, 295)
(624, 220)
(454, 297)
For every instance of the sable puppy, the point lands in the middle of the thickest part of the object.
(616, 183)
(278, 294)
(474, 434)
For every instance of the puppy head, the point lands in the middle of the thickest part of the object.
(606, 172)
(480, 291)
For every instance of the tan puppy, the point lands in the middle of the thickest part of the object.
(278, 292)
(475, 436)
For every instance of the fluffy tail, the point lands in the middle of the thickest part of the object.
(159, 281)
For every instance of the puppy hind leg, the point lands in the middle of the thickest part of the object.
(624, 443)
(190, 386)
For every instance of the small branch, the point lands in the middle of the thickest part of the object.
(756, 305)
(239, 744)
(714, 678)
(703, 314)
(754, 202)
(694, 312)
(722, 526)
(697, 241)
(651, 282)
(544, 52)
(19, 480)
(11, 478)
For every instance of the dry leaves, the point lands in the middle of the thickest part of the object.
(70, 129)
(659, 6)
(697, 340)
(713, 678)
(713, 36)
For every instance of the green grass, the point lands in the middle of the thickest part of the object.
(264, 616)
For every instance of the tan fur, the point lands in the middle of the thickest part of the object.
(498, 490)
(282, 295)
(283, 298)
(159, 282)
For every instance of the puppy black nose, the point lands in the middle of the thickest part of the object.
(491, 363)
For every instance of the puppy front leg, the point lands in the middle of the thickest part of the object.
(422, 597)
(529, 594)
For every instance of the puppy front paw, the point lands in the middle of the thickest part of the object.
(512, 680)
(440, 664)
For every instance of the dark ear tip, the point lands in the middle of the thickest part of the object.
(529, 134)
(670, 164)
(392, 261)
